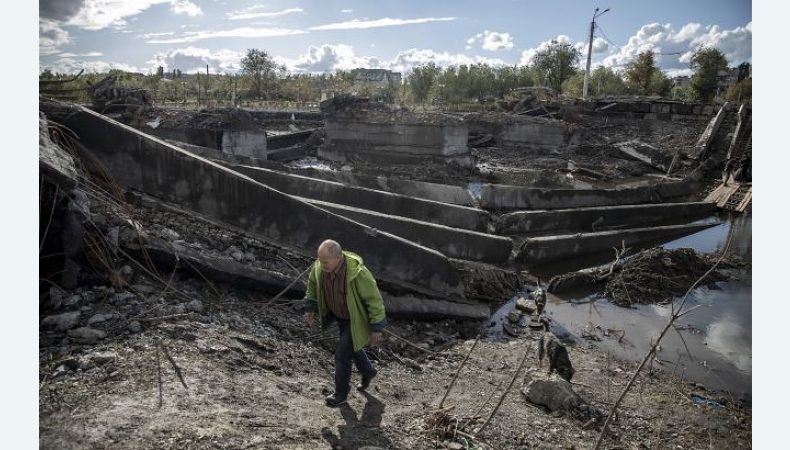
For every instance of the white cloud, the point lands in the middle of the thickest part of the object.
(50, 37)
(677, 46)
(357, 24)
(491, 40)
(186, 7)
(529, 54)
(84, 55)
(193, 59)
(156, 34)
(255, 12)
(328, 58)
(71, 65)
(600, 45)
(407, 60)
(346, 11)
(244, 32)
(100, 14)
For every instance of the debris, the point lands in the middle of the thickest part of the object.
(557, 396)
(87, 335)
(61, 322)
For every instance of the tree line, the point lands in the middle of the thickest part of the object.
(557, 66)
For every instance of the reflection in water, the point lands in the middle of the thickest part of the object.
(712, 344)
(729, 338)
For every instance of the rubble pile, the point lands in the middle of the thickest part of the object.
(659, 276)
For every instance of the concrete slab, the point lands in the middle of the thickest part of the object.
(452, 242)
(539, 250)
(455, 216)
(600, 218)
(142, 162)
(500, 197)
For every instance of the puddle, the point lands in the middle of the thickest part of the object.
(717, 335)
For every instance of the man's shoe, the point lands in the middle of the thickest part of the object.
(366, 381)
(333, 401)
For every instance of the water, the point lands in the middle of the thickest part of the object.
(712, 344)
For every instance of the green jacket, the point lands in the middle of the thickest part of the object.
(365, 305)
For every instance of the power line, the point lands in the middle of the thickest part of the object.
(607, 38)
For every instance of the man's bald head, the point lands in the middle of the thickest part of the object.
(330, 254)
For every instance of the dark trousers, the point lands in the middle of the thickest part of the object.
(344, 354)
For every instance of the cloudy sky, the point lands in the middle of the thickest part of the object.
(324, 35)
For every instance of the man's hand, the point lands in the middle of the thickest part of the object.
(309, 318)
(375, 338)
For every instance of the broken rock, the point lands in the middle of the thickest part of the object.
(558, 396)
(61, 322)
(526, 305)
(195, 306)
(101, 358)
(87, 335)
(98, 318)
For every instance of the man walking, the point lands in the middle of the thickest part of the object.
(341, 288)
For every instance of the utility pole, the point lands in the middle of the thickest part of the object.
(589, 51)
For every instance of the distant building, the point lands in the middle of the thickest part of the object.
(375, 78)
(681, 82)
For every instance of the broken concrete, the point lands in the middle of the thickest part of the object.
(503, 197)
(444, 193)
(244, 143)
(453, 242)
(53, 162)
(384, 202)
(523, 131)
(138, 161)
(706, 139)
(598, 218)
(539, 250)
(374, 133)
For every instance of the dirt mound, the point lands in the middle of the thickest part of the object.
(658, 275)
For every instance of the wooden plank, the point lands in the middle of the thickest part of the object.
(726, 194)
(713, 197)
(747, 199)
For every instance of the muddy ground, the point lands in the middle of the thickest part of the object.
(252, 375)
(255, 377)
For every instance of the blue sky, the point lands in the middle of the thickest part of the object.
(318, 36)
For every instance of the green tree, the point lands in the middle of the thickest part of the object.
(603, 81)
(706, 62)
(262, 69)
(660, 84)
(740, 91)
(744, 71)
(639, 74)
(556, 63)
(421, 81)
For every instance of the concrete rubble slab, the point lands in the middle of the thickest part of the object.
(54, 162)
(523, 131)
(142, 162)
(600, 217)
(500, 197)
(539, 250)
(444, 193)
(384, 202)
(453, 242)
(372, 132)
(227, 270)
